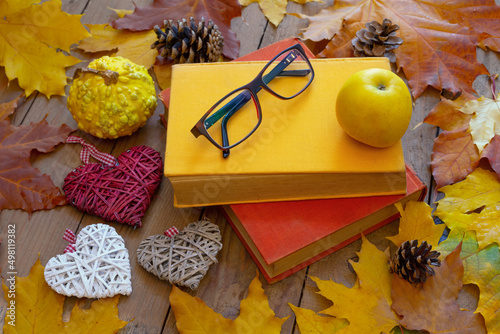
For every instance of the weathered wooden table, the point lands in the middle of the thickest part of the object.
(226, 282)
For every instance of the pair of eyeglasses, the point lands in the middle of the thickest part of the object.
(233, 119)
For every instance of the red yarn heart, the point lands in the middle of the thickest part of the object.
(120, 193)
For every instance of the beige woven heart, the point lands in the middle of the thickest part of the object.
(183, 259)
(99, 267)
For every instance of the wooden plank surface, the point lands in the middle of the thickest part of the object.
(227, 282)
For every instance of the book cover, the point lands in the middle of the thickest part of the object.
(298, 152)
(284, 237)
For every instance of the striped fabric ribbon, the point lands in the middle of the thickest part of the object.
(70, 237)
(90, 150)
(171, 232)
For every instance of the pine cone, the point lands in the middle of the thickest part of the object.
(188, 42)
(377, 40)
(413, 263)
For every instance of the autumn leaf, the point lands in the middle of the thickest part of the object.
(7, 109)
(31, 36)
(447, 116)
(481, 188)
(194, 316)
(459, 208)
(367, 304)
(485, 122)
(481, 267)
(22, 186)
(492, 153)
(311, 323)
(221, 12)
(433, 306)
(274, 10)
(454, 156)
(439, 48)
(38, 309)
(135, 46)
(416, 223)
(101, 318)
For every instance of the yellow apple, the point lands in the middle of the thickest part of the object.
(374, 107)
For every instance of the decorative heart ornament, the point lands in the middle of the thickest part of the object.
(98, 268)
(182, 258)
(118, 189)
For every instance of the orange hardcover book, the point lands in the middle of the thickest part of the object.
(284, 237)
(299, 152)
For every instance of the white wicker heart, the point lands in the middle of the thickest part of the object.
(100, 266)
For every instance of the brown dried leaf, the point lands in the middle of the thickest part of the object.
(433, 306)
(454, 156)
(22, 186)
(221, 12)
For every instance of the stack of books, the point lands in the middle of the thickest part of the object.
(299, 188)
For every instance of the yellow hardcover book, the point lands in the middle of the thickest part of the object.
(298, 152)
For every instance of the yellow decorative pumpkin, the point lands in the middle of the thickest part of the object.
(112, 97)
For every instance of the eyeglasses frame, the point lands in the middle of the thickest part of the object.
(253, 87)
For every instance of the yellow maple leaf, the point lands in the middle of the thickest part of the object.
(36, 308)
(135, 46)
(31, 36)
(416, 223)
(367, 305)
(480, 191)
(485, 122)
(274, 10)
(194, 316)
(310, 322)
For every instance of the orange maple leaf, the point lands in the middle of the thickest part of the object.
(440, 38)
(454, 156)
(433, 306)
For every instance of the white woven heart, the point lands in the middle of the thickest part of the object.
(99, 267)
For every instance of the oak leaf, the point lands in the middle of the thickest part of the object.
(134, 46)
(439, 48)
(194, 316)
(454, 156)
(485, 121)
(21, 185)
(433, 306)
(367, 304)
(310, 322)
(31, 35)
(39, 309)
(274, 10)
(482, 268)
(416, 223)
(221, 12)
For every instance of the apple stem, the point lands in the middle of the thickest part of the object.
(493, 86)
(381, 87)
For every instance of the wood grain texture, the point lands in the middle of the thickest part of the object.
(226, 282)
